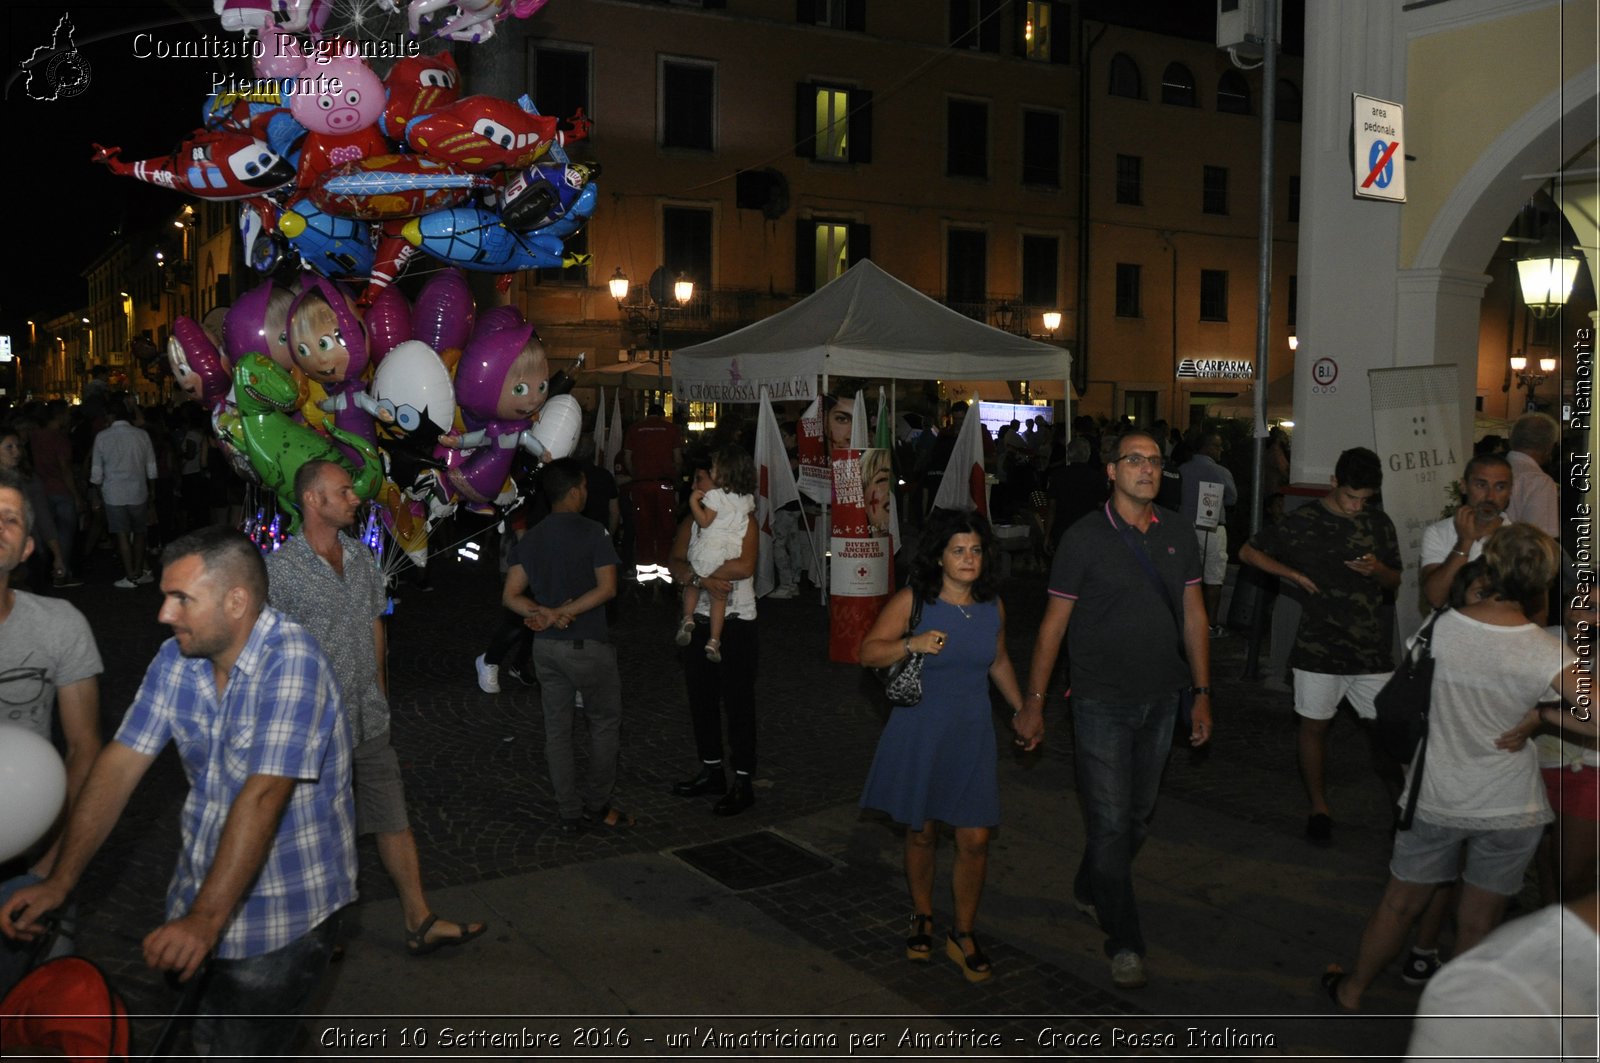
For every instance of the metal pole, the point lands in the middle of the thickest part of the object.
(1269, 94)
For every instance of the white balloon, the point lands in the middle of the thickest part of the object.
(555, 432)
(412, 384)
(33, 787)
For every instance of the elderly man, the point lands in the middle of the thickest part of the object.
(1208, 489)
(330, 583)
(1127, 579)
(49, 670)
(267, 858)
(1535, 498)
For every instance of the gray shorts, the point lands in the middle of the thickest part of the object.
(128, 520)
(1496, 859)
(380, 796)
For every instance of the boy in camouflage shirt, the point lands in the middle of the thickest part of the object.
(1345, 558)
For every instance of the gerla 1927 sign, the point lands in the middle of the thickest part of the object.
(1215, 369)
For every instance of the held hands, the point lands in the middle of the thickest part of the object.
(927, 642)
(1028, 722)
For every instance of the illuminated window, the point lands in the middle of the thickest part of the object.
(833, 123)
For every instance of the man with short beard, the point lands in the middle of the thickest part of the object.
(267, 857)
(1448, 544)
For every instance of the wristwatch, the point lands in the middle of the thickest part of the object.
(1197, 691)
(694, 580)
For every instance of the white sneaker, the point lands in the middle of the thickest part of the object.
(125, 584)
(145, 577)
(488, 676)
(1127, 970)
(783, 592)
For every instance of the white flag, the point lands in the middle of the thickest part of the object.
(885, 439)
(963, 486)
(858, 423)
(775, 488)
(600, 431)
(614, 437)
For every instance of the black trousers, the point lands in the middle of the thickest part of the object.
(725, 689)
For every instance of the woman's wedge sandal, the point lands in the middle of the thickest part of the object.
(975, 966)
(919, 945)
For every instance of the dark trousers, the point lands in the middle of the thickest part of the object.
(510, 642)
(722, 689)
(250, 1009)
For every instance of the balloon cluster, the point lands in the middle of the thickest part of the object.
(427, 405)
(352, 176)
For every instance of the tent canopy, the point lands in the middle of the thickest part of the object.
(863, 323)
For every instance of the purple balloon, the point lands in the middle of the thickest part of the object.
(388, 322)
(443, 314)
(494, 319)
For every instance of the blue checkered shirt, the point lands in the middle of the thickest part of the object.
(279, 715)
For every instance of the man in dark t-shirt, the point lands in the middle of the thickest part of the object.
(1345, 557)
(562, 574)
(1127, 579)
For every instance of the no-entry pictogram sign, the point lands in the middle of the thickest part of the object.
(1378, 154)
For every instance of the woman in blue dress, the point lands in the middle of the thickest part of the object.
(936, 760)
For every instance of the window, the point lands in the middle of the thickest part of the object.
(839, 14)
(1294, 299)
(1128, 285)
(1125, 79)
(825, 248)
(1233, 93)
(967, 131)
(966, 271)
(1141, 406)
(1213, 295)
(1294, 200)
(577, 276)
(1042, 31)
(1041, 148)
(686, 247)
(833, 123)
(561, 80)
(1041, 286)
(1214, 190)
(975, 24)
(1177, 86)
(1128, 190)
(1286, 104)
(688, 104)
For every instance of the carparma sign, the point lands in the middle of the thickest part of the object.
(1215, 369)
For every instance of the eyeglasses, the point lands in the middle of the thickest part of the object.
(1133, 461)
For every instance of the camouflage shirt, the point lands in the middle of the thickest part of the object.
(1348, 629)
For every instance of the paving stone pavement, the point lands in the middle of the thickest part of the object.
(1242, 913)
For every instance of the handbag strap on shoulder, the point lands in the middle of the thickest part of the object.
(916, 614)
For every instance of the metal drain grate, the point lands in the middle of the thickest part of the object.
(753, 860)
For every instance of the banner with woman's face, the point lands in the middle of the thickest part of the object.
(861, 573)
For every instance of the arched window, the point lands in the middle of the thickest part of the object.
(1125, 79)
(1233, 93)
(1177, 86)
(1287, 104)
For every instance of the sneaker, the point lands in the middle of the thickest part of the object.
(784, 592)
(1087, 909)
(1218, 631)
(521, 675)
(1127, 970)
(68, 580)
(1420, 966)
(488, 676)
(125, 584)
(145, 577)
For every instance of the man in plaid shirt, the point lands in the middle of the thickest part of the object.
(268, 839)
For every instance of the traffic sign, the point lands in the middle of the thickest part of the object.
(1378, 159)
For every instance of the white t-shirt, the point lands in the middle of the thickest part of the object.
(1485, 679)
(1541, 966)
(1439, 538)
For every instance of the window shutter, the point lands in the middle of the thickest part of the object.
(805, 120)
(855, 15)
(860, 125)
(961, 23)
(805, 255)
(860, 242)
(805, 11)
(1019, 28)
(989, 26)
(1060, 34)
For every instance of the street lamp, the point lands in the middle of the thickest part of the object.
(1546, 283)
(646, 317)
(1531, 380)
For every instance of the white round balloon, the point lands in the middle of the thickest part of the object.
(559, 423)
(412, 385)
(33, 787)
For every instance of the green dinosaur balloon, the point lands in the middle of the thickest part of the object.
(277, 445)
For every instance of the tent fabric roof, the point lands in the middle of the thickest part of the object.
(866, 323)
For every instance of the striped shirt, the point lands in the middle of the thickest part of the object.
(279, 715)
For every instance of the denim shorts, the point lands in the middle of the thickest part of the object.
(1496, 859)
(127, 520)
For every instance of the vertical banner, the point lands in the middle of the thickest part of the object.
(775, 489)
(1416, 428)
(858, 583)
(816, 476)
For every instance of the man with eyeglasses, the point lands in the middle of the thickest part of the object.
(1346, 558)
(1126, 579)
(49, 665)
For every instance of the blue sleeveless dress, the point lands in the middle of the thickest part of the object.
(936, 760)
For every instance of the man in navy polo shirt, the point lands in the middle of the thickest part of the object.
(1127, 579)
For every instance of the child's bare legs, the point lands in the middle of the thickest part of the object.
(691, 598)
(719, 608)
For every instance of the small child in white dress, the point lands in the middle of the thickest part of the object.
(722, 517)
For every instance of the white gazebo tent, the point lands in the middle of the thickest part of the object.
(863, 323)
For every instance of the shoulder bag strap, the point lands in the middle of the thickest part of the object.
(1150, 571)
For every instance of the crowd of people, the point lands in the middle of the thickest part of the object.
(279, 706)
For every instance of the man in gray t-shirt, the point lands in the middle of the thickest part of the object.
(49, 668)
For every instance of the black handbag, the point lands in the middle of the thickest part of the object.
(902, 680)
(1401, 727)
